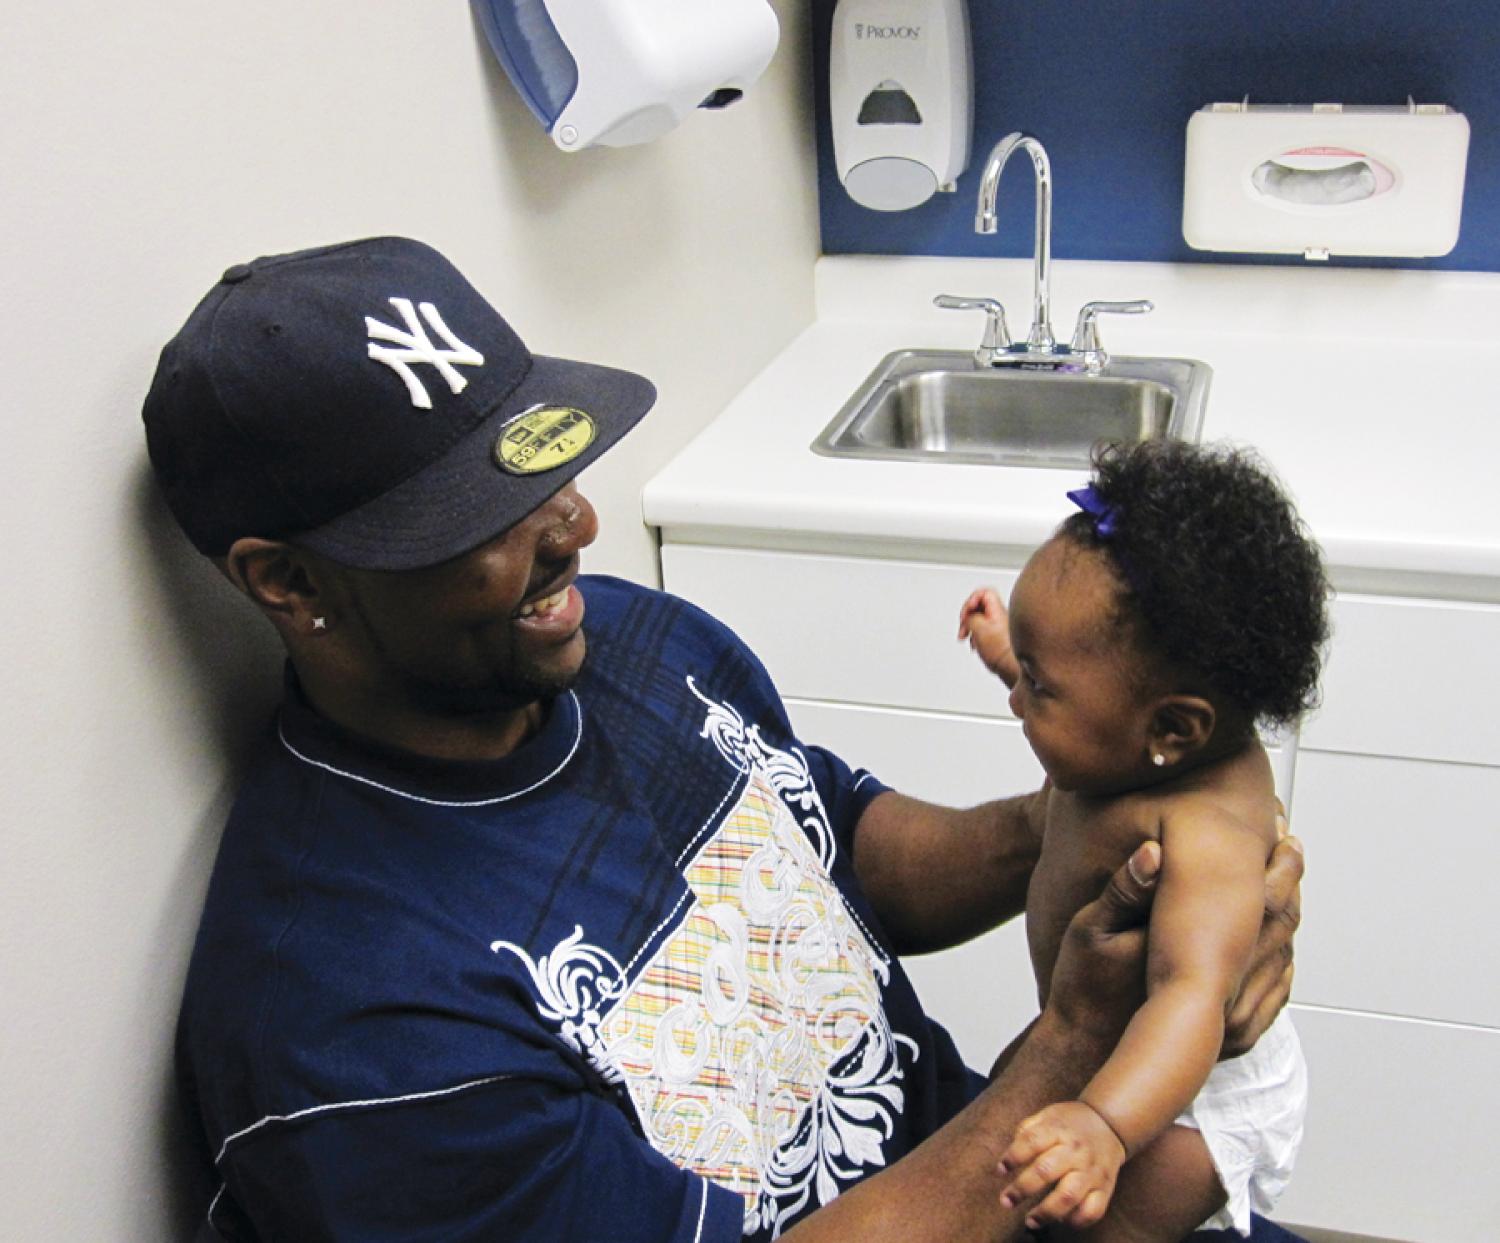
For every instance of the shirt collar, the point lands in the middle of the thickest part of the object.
(315, 740)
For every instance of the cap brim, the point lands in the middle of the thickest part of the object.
(465, 498)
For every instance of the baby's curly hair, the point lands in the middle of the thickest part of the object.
(1217, 572)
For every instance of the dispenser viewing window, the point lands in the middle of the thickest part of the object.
(900, 93)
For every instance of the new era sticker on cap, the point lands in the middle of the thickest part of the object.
(542, 439)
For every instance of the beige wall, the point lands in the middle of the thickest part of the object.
(143, 149)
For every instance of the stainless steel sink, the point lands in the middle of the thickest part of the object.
(940, 406)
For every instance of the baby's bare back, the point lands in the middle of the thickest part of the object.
(1086, 839)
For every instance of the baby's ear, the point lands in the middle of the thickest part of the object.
(1180, 725)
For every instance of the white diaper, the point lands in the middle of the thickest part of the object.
(1250, 1115)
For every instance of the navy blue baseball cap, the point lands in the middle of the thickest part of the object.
(365, 401)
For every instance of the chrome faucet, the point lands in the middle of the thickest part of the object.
(1085, 352)
(1040, 339)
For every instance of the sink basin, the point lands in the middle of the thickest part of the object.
(940, 406)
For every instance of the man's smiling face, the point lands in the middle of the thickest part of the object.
(495, 629)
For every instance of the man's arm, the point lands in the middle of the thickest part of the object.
(939, 876)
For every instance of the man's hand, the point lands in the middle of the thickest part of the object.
(1268, 981)
(1099, 979)
(984, 622)
(1071, 1149)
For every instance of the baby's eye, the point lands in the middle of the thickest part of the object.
(1032, 685)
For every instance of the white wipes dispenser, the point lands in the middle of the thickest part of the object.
(900, 94)
(1325, 179)
(617, 72)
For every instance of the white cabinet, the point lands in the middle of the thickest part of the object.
(848, 629)
(1414, 678)
(1404, 861)
(1400, 1127)
(1396, 793)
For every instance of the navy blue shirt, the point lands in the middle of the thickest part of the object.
(619, 985)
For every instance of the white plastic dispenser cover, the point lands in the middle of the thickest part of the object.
(618, 72)
(1325, 179)
(901, 99)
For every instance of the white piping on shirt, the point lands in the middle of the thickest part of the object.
(702, 1211)
(687, 893)
(437, 802)
(365, 1104)
(333, 1107)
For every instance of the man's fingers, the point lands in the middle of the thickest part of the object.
(1283, 884)
(1261, 999)
(1267, 985)
(1127, 897)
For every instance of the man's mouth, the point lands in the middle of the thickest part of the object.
(546, 606)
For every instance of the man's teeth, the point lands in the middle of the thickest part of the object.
(549, 604)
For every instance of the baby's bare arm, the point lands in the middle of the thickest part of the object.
(985, 623)
(1203, 928)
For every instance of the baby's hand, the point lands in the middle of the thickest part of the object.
(984, 622)
(1071, 1149)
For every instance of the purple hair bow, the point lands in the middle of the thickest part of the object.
(1104, 514)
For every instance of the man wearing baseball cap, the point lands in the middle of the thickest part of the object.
(527, 925)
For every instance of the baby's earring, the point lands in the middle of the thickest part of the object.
(1158, 759)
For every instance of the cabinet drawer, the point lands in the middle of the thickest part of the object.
(1418, 678)
(954, 760)
(1399, 895)
(1400, 1117)
(852, 629)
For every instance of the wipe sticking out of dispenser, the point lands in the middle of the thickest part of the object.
(618, 72)
(901, 99)
(1325, 179)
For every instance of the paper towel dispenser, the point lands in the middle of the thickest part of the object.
(1325, 179)
(618, 72)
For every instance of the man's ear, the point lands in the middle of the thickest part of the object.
(1180, 725)
(282, 579)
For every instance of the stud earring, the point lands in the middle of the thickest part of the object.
(320, 623)
(1158, 758)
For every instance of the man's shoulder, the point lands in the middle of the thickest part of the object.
(621, 616)
(610, 599)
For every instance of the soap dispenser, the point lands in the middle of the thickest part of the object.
(900, 90)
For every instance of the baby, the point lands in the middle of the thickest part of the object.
(1145, 641)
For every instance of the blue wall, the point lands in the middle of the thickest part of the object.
(1109, 85)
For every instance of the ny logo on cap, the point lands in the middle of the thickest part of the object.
(416, 347)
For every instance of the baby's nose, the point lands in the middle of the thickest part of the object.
(1015, 703)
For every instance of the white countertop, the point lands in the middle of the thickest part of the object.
(1375, 394)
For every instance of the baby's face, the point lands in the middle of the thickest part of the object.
(1076, 698)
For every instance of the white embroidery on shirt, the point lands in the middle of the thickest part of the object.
(753, 1042)
(574, 984)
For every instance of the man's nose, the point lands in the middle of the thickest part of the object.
(571, 523)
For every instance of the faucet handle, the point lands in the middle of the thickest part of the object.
(1086, 335)
(996, 333)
